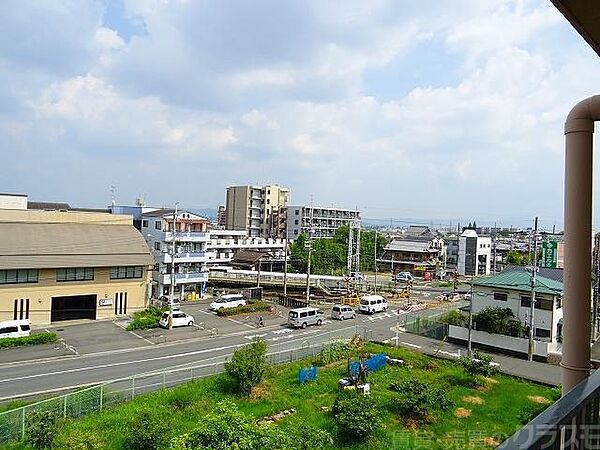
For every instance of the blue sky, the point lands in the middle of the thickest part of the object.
(433, 109)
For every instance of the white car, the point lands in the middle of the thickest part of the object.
(228, 301)
(180, 319)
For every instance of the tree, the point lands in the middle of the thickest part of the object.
(418, 399)
(480, 365)
(356, 415)
(248, 365)
(42, 428)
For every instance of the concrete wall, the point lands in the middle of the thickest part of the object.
(41, 293)
(237, 203)
(507, 343)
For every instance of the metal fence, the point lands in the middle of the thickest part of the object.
(13, 423)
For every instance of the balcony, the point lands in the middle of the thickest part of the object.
(183, 257)
(186, 278)
(187, 236)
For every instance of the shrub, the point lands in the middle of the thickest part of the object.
(80, 440)
(418, 399)
(356, 415)
(479, 365)
(147, 431)
(34, 339)
(247, 366)
(42, 428)
(456, 318)
(500, 321)
(249, 308)
(148, 318)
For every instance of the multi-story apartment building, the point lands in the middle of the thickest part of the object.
(64, 265)
(253, 208)
(221, 216)
(186, 267)
(223, 245)
(321, 222)
(474, 253)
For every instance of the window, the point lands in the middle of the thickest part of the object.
(144, 223)
(544, 304)
(526, 301)
(123, 272)
(296, 222)
(297, 212)
(268, 201)
(75, 274)
(21, 309)
(296, 232)
(558, 302)
(15, 276)
(157, 246)
(157, 225)
(502, 296)
(542, 333)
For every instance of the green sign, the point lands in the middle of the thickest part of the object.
(549, 253)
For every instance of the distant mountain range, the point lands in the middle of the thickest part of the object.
(209, 213)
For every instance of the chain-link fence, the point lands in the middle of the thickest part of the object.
(13, 423)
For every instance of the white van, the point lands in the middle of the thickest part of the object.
(302, 317)
(15, 328)
(370, 304)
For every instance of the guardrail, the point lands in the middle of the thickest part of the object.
(13, 423)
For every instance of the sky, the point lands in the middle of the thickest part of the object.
(445, 109)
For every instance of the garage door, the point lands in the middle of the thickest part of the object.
(73, 307)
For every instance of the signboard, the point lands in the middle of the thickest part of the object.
(106, 302)
(549, 253)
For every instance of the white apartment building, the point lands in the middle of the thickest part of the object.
(223, 245)
(321, 221)
(253, 208)
(474, 253)
(187, 266)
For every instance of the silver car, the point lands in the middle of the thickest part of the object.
(342, 312)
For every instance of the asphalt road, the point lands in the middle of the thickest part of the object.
(95, 352)
(76, 368)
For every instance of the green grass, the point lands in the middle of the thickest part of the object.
(503, 401)
(34, 339)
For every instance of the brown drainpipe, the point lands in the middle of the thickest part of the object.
(579, 129)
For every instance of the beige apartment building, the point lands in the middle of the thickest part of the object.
(253, 208)
(57, 265)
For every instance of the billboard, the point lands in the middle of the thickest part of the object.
(549, 254)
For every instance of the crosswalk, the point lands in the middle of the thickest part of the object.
(284, 333)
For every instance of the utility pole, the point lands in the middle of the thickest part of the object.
(285, 262)
(173, 277)
(469, 343)
(310, 232)
(375, 255)
(358, 247)
(494, 246)
(349, 269)
(532, 306)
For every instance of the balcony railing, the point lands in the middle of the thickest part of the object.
(180, 278)
(187, 236)
(573, 422)
(186, 257)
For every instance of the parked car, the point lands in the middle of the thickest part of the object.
(228, 301)
(370, 304)
(403, 277)
(342, 312)
(180, 319)
(302, 317)
(15, 328)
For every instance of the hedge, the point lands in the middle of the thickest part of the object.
(249, 308)
(34, 339)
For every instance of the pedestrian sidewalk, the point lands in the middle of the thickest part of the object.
(530, 370)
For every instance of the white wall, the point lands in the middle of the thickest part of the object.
(504, 342)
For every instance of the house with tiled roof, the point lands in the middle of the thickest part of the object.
(512, 289)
